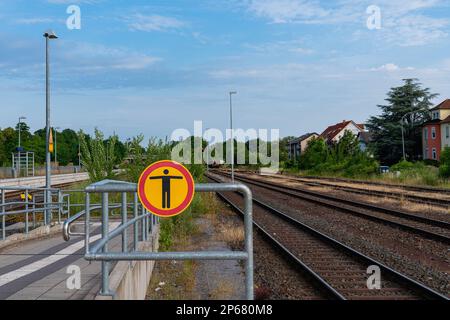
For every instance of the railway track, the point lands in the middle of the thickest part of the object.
(37, 200)
(339, 271)
(443, 203)
(381, 184)
(430, 228)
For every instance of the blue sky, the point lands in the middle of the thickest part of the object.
(154, 66)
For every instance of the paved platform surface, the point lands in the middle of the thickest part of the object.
(37, 269)
(39, 181)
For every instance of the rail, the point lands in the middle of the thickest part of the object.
(22, 202)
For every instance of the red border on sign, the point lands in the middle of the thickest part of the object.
(175, 211)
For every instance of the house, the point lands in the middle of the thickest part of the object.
(334, 133)
(436, 132)
(364, 138)
(297, 146)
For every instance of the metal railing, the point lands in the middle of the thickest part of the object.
(15, 201)
(100, 251)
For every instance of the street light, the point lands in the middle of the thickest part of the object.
(232, 135)
(207, 153)
(20, 128)
(56, 154)
(403, 134)
(49, 35)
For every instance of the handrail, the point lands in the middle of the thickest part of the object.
(67, 224)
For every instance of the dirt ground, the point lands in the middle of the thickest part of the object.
(203, 280)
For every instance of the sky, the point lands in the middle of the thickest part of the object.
(152, 67)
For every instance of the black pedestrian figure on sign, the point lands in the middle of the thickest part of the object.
(166, 187)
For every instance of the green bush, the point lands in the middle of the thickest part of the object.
(444, 169)
(344, 158)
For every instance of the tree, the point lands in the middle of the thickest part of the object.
(386, 128)
(315, 154)
(98, 156)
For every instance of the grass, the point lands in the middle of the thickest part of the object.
(420, 175)
(180, 228)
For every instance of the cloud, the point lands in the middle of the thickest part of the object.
(34, 20)
(148, 23)
(284, 11)
(94, 57)
(74, 1)
(404, 22)
(294, 46)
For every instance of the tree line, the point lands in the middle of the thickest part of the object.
(67, 145)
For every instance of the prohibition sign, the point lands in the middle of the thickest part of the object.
(166, 188)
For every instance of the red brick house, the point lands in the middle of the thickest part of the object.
(436, 132)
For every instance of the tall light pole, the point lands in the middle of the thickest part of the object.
(56, 154)
(20, 128)
(207, 153)
(232, 135)
(49, 35)
(403, 133)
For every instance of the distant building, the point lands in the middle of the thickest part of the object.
(364, 138)
(297, 146)
(436, 132)
(334, 133)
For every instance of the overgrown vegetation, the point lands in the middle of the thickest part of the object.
(414, 173)
(98, 156)
(344, 158)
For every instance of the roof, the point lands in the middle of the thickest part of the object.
(443, 105)
(446, 120)
(303, 137)
(334, 130)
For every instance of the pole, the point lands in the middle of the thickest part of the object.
(20, 119)
(48, 182)
(403, 142)
(79, 153)
(232, 137)
(56, 155)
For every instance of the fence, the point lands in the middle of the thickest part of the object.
(100, 252)
(25, 202)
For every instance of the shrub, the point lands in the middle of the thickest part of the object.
(444, 169)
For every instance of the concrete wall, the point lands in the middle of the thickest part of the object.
(130, 280)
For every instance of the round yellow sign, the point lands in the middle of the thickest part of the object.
(166, 188)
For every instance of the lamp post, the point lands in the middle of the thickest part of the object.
(207, 154)
(20, 128)
(403, 133)
(56, 154)
(232, 135)
(49, 35)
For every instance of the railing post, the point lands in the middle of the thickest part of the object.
(60, 206)
(3, 216)
(105, 230)
(34, 212)
(44, 206)
(143, 225)
(248, 222)
(124, 221)
(26, 211)
(68, 205)
(87, 215)
(136, 225)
